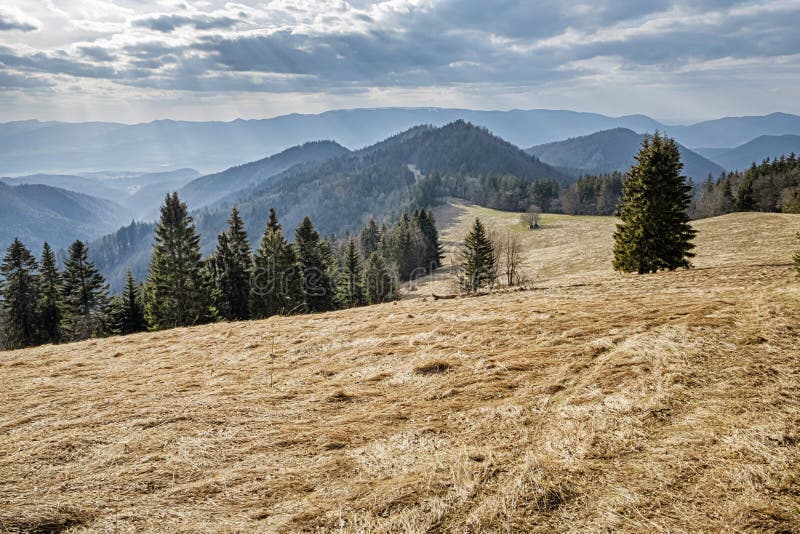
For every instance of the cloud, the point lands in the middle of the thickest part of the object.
(169, 23)
(510, 49)
(11, 22)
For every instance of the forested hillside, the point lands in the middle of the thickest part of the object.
(772, 186)
(612, 151)
(341, 194)
(208, 189)
(37, 213)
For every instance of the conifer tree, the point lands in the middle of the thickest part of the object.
(313, 257)
(85, 295)
(127, 309)
(655, 232)
(51, 300)
(177, 292)
(19, 293)
(231, 271)
(433, 248)
(370, 238)
(350, 289)
(477, 260)
(379, 284)
(276, 287)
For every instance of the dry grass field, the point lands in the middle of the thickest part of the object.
(593, 401)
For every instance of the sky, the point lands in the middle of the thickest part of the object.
(140, 60)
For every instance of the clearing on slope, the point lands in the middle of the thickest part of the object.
(597, 401)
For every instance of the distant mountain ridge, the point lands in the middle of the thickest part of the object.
(613, 150)
(37, 213)
(755, 151)
(77, 148)
(210, 188)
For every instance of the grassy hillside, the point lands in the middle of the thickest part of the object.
(593, 401)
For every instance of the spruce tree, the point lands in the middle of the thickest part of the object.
(350, 289)
(477, 260)
(276, 287)
(19, 293)
(433, 248)
(85, 295)
(127, 309)
(379, 284)
(655, 232)
(51, 300)
(370, 238)
(231, 270)
(313, 258)
(177, 292)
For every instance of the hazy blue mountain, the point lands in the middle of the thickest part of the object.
(734, 131)
(338, 193)
(755, 151)
(78, 184)
(36, 213)
(65, 148)
(612, 150)
(68, 148)
(208, 189)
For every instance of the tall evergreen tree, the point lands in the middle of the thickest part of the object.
(19, 293)
(379, 284)
(433, 248)
(350, 289)
(177, 292)
(313, 257)
(51, 300)
(127, 309)
(85, 295)
(477, 260)
(231, 270)
(655, 232)
(370, 238)
(276, 286)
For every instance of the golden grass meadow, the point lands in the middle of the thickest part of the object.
(591, 401)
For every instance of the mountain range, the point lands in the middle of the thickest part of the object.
(339, 192)
(29, 147)
(37, 213)
(755, 151)
(612, 150)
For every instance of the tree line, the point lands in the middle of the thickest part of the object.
(41, 304)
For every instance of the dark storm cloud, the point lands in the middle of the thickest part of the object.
(9, 23)
(169, 23)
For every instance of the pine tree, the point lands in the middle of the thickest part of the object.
(51, 300)
(477, 260)
(276, 287)
(85, 295)
(433, 248)
(655, 232)
(350, 289)
(313, 257)
(127, 309)
(379, 284)
(231, 271)
(177, 292)
(19, 293)
(370, 239)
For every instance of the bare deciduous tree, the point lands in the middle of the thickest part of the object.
(531, 217)
(509, 259)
